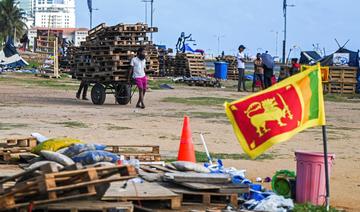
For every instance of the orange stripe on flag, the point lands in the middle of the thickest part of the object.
(305, 88)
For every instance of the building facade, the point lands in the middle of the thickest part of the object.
(55, 13)
(49, 13)
(28, 7)
(73, 35)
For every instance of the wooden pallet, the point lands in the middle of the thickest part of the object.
(86, 205)
(19, 142)
(341, 88)
(147, 153)
(12, 149)
(343, 74)
(142, 192)
(61, 186)
(206, 198)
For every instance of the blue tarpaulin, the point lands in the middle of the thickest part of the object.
(9, 57)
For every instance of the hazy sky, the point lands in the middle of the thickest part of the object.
(250, 22)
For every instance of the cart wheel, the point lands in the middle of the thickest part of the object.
(123, 94)
(98, 94)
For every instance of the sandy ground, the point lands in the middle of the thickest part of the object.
(44, 110)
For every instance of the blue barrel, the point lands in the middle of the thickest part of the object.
(221, 69)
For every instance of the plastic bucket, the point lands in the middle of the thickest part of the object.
(221, 69)
(282, 183)
(310, 177)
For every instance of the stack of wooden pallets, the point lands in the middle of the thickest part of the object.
(342, 80)
(169, 65)
(190, 65)
(107, 52)
(232, 73)
(70, 57)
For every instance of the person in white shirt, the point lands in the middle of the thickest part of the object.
(241, 67)
(138, 65)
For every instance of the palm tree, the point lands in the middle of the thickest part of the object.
(11, 19)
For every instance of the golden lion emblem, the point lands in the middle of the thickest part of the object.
(272, 112)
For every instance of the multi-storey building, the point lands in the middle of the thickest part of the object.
(73, 35)
(49, 13)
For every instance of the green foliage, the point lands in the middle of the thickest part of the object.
(314, 208)
(33, 64)
(73, 124)
(341, 97)
(11, 19)
(202, 157)
(60, 84)
(155, 84)
(9, 126)
(209, 101)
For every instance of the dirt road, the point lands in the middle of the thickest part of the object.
(54, 112)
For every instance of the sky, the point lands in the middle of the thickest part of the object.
(253, 23)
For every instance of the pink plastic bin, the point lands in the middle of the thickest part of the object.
(310, 177)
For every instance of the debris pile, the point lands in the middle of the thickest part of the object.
(121, 176)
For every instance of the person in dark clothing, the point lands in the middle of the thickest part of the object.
(258, 72)
(84, 85)
(269, 65)
(268, 74)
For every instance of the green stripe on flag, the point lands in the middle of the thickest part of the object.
(314, 101)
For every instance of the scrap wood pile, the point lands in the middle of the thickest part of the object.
(107, 52)
(232, 73)
(48, 184)
(67, 174)
(190, 65)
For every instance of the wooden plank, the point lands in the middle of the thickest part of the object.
(87, 205)
(221, 188)
(198, 177)
(141, 192)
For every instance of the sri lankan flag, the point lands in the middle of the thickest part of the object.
(279, 112)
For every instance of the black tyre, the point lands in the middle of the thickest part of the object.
(123, 94)
(98, 94)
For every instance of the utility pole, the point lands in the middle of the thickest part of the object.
(152, 18)
(152, 15)
(146, 12)
(219, 42)
(91, 9)
(285, 5)
(277, 39)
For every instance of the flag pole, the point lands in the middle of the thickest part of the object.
(327, 178)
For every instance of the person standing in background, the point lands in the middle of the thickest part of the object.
(258, 72)
(241, 68)
(269, 65)
(84, 85)
(295, 66)
(138, 66)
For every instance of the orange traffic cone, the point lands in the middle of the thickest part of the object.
(186, 149)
